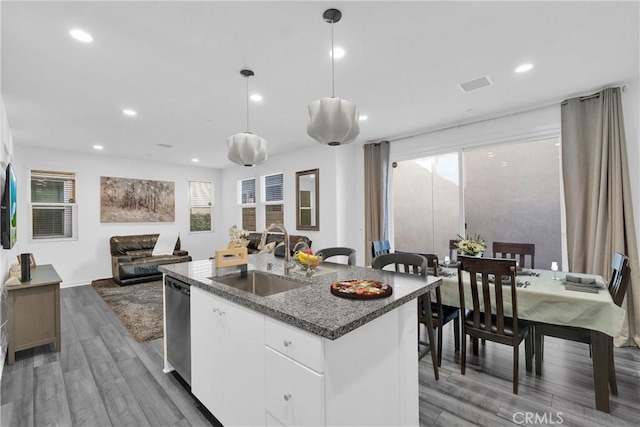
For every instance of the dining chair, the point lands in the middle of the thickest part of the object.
(617, 264)
(516, 251)
(453, 249)
(412, 263)
(440, 314)
(481, 322)
(350, 253)
(617, 288)
(379, 247)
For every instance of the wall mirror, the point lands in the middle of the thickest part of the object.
(308, 200)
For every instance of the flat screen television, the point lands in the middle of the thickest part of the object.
(9, 212)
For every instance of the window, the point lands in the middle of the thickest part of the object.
(247, 199)
(53, 205)
(273, 198)
(511, 192)
(200, 206)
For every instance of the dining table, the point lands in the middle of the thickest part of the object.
(543, 298)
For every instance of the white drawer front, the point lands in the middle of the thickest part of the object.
(295, 394)
(299, 345)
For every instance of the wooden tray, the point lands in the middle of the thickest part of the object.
(335, 289)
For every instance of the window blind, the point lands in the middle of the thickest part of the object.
(274, 188)
(200, 193)
(53, 195)
(248, 191)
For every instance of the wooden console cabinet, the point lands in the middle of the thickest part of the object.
(34, 311)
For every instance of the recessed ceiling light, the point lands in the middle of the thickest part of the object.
(256, 97)
(81, 35)
(338, 52)
(504, 163)
(98, 147)
(363, 118)
(524, 68)
(490, 154)
(194, 160)
(129, 112)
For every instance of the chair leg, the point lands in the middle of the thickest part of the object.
(613, 383)
(429, 327)
(463, 356)
(528, 351)
(456, 332)
(515, 369)
(474, 341)
(439, 345)
(538, 349)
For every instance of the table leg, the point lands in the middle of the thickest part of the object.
(600, 360)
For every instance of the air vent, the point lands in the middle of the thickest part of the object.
(475, 84)
(165, 145)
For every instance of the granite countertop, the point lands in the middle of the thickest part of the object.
(312, 308)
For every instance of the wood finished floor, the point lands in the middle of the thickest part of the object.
(103, 377)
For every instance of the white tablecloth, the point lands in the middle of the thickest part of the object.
(546, 300)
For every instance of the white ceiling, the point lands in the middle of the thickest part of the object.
(178, 63)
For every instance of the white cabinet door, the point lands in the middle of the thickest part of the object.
(242, 366)
(295, 393)
(206, 355)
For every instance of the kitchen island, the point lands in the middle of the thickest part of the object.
(303, 356)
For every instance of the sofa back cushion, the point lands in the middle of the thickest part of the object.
(124, 245)
(254, 239)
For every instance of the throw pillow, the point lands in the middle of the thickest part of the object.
(268, 248)
(165, 244)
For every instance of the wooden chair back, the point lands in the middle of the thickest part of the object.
(617, 264)
(404, 263)
(350, 253)
(453, 249)
(480, 271)
(379, 247)
(515, 251)
(619, 287)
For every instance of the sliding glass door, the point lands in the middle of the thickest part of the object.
(426, 203)
(511, 194)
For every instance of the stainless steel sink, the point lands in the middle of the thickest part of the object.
(259, 283)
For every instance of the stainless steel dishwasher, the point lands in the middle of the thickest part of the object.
(178, 332)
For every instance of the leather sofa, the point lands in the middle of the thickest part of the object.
(254, 242)
(132, 262)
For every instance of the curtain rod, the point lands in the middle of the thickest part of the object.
(400, 138)
(555, 104)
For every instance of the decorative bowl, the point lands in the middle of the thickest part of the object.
(307, 261)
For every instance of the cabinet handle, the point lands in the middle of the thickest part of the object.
(286, 343)
(215, 310)
(220, 313)
(287, 396)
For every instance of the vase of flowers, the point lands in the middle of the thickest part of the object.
(471, 245)
(238, 237)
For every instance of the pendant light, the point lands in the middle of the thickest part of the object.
(246, 148)
(333, 121)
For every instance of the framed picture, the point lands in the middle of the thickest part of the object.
(31, 257)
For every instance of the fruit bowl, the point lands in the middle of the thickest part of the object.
(307, 261)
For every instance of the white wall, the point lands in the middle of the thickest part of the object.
(80, 261)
